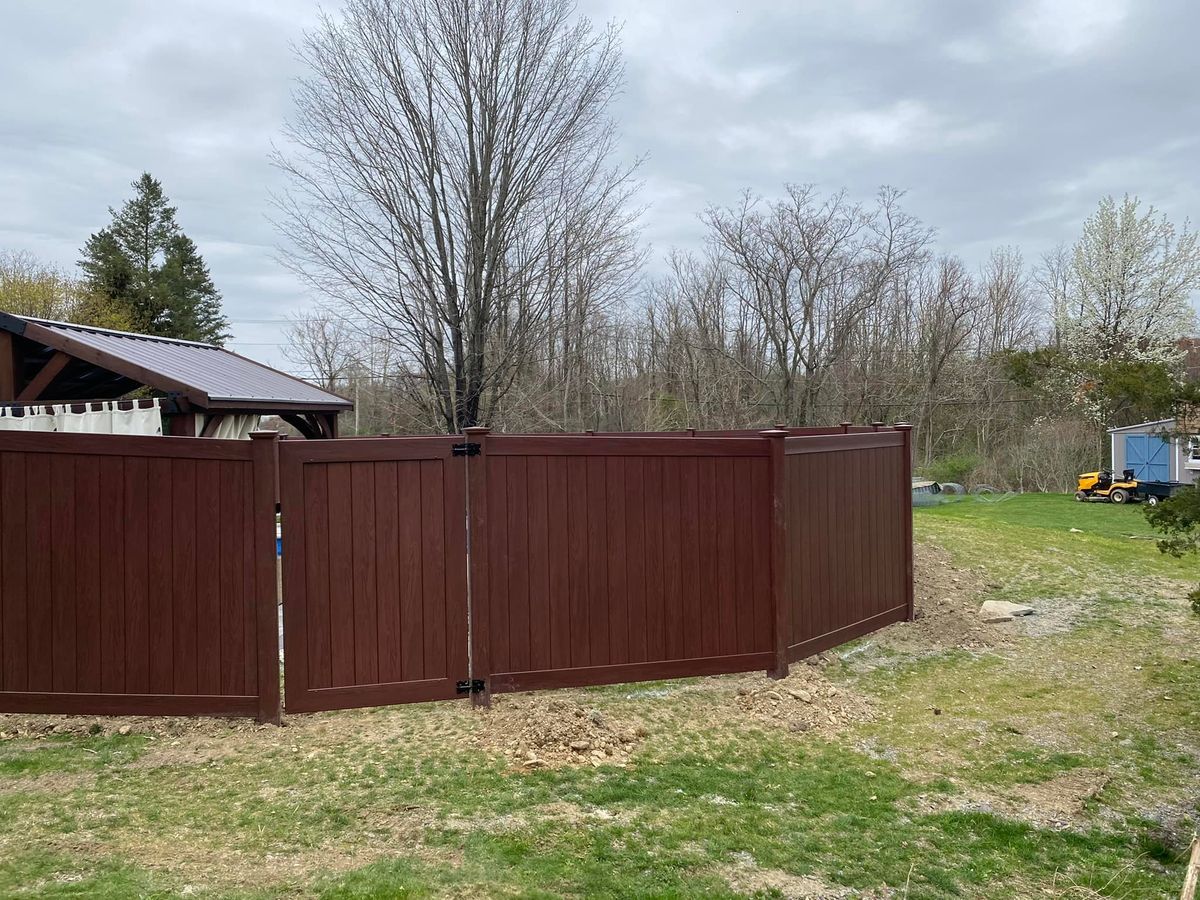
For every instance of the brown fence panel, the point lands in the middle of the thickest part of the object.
(848, 543)
(374, 571)
(137, 576)
(619, 558)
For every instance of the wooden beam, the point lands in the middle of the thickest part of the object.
(8, 367)
(301, 424)
(43, 379)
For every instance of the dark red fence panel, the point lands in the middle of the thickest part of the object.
(848, 544)
(137, 575)
(374, 571)
(619, 558)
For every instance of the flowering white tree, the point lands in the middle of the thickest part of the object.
(1131, 277)
(1125, 296)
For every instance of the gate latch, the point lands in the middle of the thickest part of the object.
(474, 686)
(467, 449)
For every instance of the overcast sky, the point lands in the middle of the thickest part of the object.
(1004, 121)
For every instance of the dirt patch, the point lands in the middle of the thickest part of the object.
(1059, 803)
(946, 599)
(804, 701)
(15, 725)
(538, 732)
(745, 877)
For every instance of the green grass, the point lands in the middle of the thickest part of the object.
(403, 802)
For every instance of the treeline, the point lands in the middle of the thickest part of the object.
(814, 309)
(454, 200)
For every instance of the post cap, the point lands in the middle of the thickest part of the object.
(774, 433)
(477, 430)
(264, 435)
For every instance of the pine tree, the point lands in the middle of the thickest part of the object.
(144, 263)
(194, 310)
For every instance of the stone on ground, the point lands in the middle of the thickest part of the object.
(1003, 611)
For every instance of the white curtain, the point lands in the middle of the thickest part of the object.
(34, 419)
(96, 418)
(231, 428)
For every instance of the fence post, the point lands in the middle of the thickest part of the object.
(906, 471)
(477, 568)
(780, 602)
(264, 451)
(845, 427)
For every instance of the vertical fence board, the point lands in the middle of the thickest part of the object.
(137, 580)
(13, 586)
(634, 503)
(364, 550)
(433, 564)
(389, 637)
(185, 658)
(340, 543)
(412, 620)
(538, 540)
(577, 560)
(64, 554)
(558, 583)
(160, 599)
(519, 574)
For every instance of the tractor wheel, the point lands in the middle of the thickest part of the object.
(1080, 496)
(1119, 495)
(1152, 500)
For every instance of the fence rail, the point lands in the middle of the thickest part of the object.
(137, 575)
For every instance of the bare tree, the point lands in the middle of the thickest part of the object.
(440, 150)
(326, 346)
(810, 270)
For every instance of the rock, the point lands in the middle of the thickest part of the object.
(801, 695)
(124, 729)
(1002, 610)
(1076, 530)
(640, 731)
(742, 690)
(581, 746)
(596, 718)
(773, 695)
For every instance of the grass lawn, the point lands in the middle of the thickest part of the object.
(1057, 756)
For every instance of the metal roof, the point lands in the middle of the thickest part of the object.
(1166, 423)
(210, 376)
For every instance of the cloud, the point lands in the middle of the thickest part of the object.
(1005, 122)
(1070, 28)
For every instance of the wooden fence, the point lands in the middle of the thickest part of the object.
(137, 575)
(607, 559)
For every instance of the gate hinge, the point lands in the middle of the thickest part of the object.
(474, 686)
(467, 449)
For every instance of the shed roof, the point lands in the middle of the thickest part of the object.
(1166, 424)
(109, 363)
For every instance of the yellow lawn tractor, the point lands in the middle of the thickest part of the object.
(1102, 486)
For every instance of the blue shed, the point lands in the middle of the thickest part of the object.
(1156, 452)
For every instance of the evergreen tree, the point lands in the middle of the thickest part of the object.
(194, 304)
(144, 263)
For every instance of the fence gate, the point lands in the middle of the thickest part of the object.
(374, 571)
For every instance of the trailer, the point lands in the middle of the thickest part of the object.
(1153, 491)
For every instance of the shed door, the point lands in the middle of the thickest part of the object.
(1149, 457)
